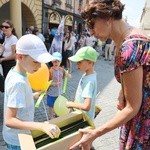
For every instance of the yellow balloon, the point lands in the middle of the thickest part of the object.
(60, 106)
(39, 79)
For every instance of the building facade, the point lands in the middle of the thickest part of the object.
(22, 13)
(145, 21)
(69, 9)
(42, 14)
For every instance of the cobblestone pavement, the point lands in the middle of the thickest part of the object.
(106, 99)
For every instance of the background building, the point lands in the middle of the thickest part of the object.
(145, 21)
(23, 13)
(54, 10)
(42, 14)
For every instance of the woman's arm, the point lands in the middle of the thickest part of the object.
(132, 82)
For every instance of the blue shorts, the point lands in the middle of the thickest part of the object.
(51, 100)
(12, 147)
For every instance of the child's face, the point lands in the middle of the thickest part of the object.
(28, 64)
(56, 63)
(84, 65)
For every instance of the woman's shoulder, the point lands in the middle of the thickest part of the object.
(135, 33)
(13, 38)
(135, 51)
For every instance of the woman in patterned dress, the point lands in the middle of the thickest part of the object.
(132, 70)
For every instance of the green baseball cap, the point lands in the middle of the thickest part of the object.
(85, 53)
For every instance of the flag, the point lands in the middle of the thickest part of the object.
(57, 42)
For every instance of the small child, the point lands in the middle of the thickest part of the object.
(87, 87)
(57, 75)
(18, 98)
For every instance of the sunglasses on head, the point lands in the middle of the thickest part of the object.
(6, 27)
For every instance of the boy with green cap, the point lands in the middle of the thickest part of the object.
(87, 88)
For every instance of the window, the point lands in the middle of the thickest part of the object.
(69, 5)
(69, 2)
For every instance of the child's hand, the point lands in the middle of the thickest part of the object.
(68, 75)
(37, 94)
(69, 104)
(58, 84)
(50, 129)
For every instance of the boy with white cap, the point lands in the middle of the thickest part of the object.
(57, 75)
(18, 98)
(87, 88)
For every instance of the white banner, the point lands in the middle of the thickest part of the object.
(57, 42)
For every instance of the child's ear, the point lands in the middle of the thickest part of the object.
(19, 56)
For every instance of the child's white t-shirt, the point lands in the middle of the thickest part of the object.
(18, 94)
(87, 88)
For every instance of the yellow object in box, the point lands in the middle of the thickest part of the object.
(69, 125)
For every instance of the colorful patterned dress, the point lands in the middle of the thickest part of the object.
(135, 134)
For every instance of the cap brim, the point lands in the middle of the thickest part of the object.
(56, 58)
(43, 58)
(75, 58)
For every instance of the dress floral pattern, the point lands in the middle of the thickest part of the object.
(135, 134)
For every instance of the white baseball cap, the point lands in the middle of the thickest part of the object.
(33, 46)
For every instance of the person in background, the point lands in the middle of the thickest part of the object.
(53, 31)
(31, 29)
(40, 35)
(90, 40)
(18, 97)
(68, 50)
(73, 38)
(27, 31)
(56, 74)
(132, 70)
(2, 36)
(7, 59)
(108, 50)
(81, 41)
(47, 39)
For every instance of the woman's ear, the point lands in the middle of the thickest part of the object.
(109, 21)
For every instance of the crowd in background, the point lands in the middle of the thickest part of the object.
(72, 42)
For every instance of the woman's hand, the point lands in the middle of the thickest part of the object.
(50, 129)
(88, 136)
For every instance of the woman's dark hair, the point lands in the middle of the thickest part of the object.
(12, 26)
(68, 38)
(103, 9)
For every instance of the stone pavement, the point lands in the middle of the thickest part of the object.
(106, 99)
